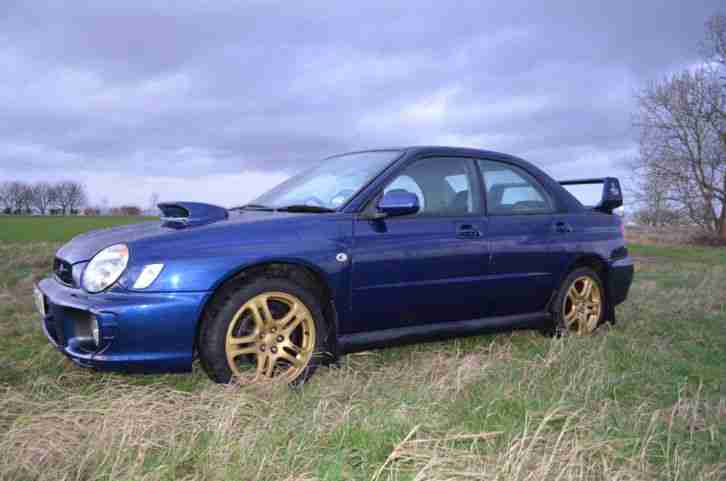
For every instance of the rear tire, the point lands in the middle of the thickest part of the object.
(272, 326)
(580, 305)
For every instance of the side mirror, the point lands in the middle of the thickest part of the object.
(612, 195)
(397, 203)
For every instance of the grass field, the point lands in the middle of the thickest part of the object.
(56, 228)
(644, 400)
(682, 253)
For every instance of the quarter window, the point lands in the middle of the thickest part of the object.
(510, 190)
(444, 186)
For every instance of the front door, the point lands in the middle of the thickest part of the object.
(427, 267)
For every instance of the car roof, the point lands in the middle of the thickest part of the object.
(437, 149)
(468, 151)
(444, 149)
(457, 151)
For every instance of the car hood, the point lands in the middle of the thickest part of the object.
(85, 246)
(158, 238)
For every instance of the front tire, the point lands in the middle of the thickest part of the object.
(580, 305)
(267, 329)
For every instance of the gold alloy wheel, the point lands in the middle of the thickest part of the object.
(582, 306)
(277, 331)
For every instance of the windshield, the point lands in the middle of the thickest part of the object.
(330, 183)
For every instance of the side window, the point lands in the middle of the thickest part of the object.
(444, 186)
(510, 190)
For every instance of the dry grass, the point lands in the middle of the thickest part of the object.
(645, 400)
(671, 236)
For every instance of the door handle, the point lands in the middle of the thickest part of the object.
(562, 227)
(468, 231)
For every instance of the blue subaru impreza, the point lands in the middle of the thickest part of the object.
(364, 250)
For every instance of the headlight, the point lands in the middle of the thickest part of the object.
(105, 268)
(148, 276)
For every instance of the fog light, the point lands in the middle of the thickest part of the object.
(95, 331)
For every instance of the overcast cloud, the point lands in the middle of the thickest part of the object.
(218, 101)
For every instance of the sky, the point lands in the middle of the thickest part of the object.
(218, 101)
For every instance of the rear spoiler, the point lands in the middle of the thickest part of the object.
(612, 195)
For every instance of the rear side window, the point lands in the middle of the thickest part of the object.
(511, 191)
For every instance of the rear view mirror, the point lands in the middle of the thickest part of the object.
(398, 203)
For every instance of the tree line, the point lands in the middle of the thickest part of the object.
(681, 119)
(58, 198)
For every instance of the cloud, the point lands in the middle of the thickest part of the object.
(159, 93)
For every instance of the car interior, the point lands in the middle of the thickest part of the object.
(510, 191)
(443, 188)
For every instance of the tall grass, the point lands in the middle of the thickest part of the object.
(645, 400)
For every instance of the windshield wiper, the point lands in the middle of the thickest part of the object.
(314, 209)
(253, 207)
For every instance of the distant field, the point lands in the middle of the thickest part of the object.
(56, 228)
(686, 253)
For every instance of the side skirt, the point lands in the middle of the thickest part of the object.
(362, 341)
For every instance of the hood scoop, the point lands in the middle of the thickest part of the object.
(187, 214)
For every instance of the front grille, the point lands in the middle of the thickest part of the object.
(63, 271)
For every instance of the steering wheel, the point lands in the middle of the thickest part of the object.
(314, 201)
(339, 199)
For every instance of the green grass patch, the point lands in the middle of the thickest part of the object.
(684, 253)
(57, 228)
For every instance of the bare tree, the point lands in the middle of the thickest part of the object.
(154, 202)
(26, 198)
(682, 126)
(655, 208)
(70, 196)
(43, 196)
(680, 145)
(5, 202)
(16, 196)
(714, 48)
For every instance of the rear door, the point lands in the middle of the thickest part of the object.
(427, 267)
(522, 223)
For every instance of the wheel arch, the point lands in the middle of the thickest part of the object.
(593, 261)
(299, 271)
(601, 266)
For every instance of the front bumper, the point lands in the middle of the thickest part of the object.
(137, 332)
